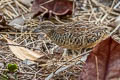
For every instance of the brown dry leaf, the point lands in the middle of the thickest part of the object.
(57, 7)
(103, 63)
(23, 53)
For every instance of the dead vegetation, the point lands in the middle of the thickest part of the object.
(16, 36)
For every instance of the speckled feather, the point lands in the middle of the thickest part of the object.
(77, 36)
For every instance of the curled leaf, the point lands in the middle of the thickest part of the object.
(103, 63)
(56, 7)
(23, 53)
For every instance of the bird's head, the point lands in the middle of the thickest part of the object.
(45, 27)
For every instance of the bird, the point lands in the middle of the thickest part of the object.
(75, 36)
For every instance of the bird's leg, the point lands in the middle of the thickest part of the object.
(52, 50)
(69, 52)
(65, 53)
(57, 18)
(76, 52)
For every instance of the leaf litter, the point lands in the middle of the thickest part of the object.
(53, 66)
(103, 63)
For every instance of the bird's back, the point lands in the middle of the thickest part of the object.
(78, 36)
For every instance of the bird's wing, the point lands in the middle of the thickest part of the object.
(76, 28)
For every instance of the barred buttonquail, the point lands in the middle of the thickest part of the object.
(76, 36)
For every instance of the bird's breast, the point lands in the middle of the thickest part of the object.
(67, 40)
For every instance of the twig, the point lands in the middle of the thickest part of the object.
(22, 7)
(46, 2)
(60, 68)
(13, 9)
(73, 10)
(116, 5)
(57, 18)
(115, 30)
(109, 10)
(97, 68)
(104, 17)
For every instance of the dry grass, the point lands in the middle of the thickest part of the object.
(51, 64)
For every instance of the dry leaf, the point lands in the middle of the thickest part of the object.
(57, 7)
(23, 53)
(103, 63)
(18, 21)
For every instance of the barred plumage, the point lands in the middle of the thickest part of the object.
(75, 37)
